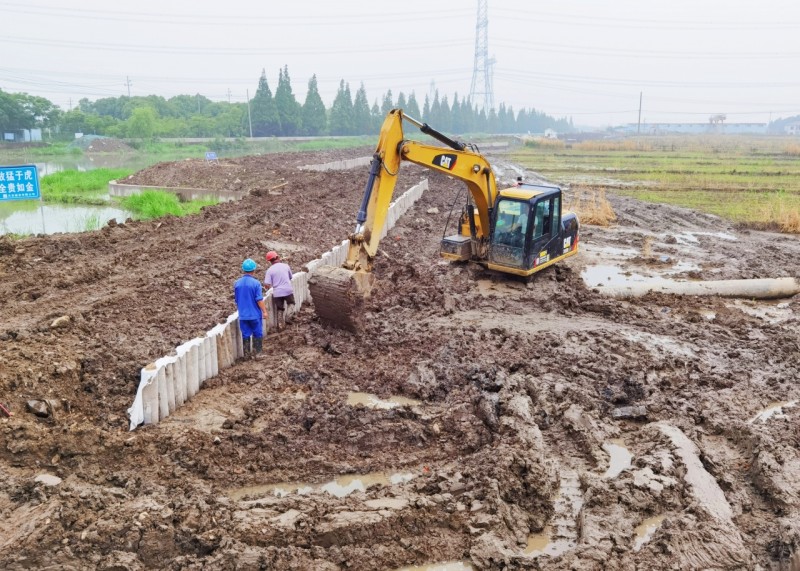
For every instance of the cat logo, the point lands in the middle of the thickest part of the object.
(447, 161)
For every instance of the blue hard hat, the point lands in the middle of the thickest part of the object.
(248, 265)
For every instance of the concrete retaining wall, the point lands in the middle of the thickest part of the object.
(170, 381)
(117, 189)
(339, 165)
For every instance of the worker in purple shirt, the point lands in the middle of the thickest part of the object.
(279, 278)
(252, 311)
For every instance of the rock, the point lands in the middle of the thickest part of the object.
(630, 412)
(47, 479)
(62, 321)
(433, 210)
(37, 407)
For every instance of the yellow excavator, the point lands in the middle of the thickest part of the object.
(518, 230)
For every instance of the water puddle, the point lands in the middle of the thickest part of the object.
(543, 544)
(371, 401)
(449, 566)
(339, 487)
(33, 218)
(773, 410)
(611, 251)
(603, 275)
(691, 237)
(619, 458)
(645, 530)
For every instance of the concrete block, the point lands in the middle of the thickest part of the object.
(169, 372)
(163, 397)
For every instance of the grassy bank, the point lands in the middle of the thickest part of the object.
(79, 187)
(754, 181)
(91, 187)
(156, 203)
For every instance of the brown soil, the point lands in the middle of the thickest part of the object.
(520, 387)
(108, 145)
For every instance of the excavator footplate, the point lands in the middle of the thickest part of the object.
(338, 295)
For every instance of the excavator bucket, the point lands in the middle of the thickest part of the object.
(338, 295)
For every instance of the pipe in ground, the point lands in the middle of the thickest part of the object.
(774, 288)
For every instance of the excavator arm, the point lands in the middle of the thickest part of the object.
(391, 151)
(338, 293)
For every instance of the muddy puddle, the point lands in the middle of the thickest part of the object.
(340, 487)
(644, 531)
(692, 237)
(613, 275)
(620, 458)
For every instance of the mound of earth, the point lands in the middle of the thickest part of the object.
(542, 425)
(246, 174)
(94, 144)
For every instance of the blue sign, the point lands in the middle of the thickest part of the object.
(211, 156)
(19, 183)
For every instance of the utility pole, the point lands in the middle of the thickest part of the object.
(639, 124)
(128, 83)
(249, 118)
(229, 96)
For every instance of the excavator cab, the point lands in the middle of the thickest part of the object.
(529, 230)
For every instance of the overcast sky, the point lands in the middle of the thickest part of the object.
(585, 59)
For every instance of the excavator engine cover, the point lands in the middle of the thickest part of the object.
(338, 295)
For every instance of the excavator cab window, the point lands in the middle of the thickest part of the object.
(510, 231)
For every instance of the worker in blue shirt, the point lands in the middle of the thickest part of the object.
(252, 311)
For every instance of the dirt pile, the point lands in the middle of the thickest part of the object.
(94, 144)
(507, 456)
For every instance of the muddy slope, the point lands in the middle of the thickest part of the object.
(503, 459)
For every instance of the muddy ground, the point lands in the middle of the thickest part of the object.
(547, 426)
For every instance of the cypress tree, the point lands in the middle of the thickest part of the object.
(287, 106)
(314, 119)
(266, 121)
(362, 120)
(342, 111)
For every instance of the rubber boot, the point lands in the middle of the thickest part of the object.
(281, 320)
(246, 346)
(258, 345)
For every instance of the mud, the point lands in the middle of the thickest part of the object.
(516, 391)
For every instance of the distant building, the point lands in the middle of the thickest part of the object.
(23, 136)
(550, 134)
(697, 128)
(792, 128)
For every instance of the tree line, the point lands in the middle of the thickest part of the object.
(267, 115)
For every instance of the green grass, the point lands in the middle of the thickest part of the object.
(79, 187)
(45, 150)
(750, 180)
(157, 203)
(92, 222)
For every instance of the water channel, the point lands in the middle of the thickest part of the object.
(35, 217)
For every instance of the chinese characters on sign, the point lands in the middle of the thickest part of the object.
(19, 183)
